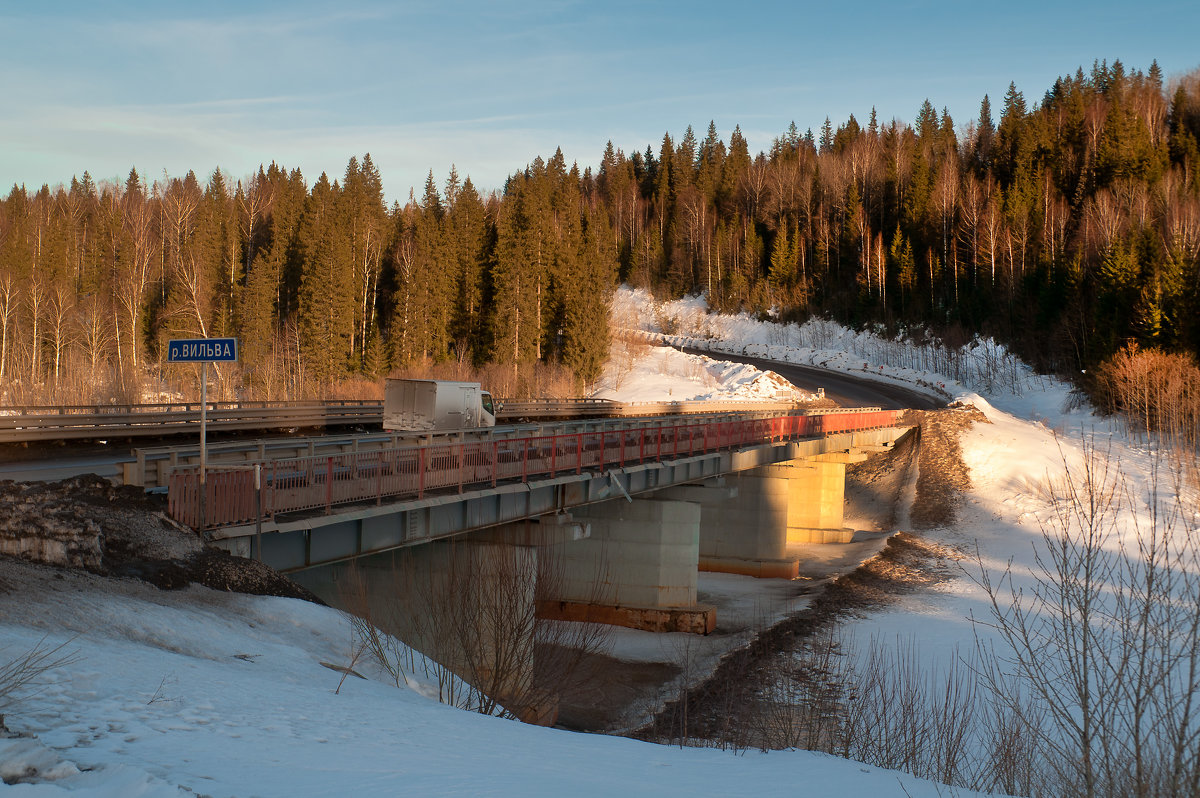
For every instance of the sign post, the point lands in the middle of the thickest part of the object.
(203, 351)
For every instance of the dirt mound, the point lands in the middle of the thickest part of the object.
(942, 475)
(86, 523)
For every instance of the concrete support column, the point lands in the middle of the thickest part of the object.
(743, 524)
(748, 519)
(802, 501)
(637, 568)
(816, 502)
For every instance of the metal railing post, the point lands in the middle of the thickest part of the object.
(421, 473)
(258, 511)
(328, 483)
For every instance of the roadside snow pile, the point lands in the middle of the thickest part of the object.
(638, 372)
(941, 371)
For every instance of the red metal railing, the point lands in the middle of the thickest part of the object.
(308, 483)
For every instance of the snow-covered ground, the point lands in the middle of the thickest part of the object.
(642, 372)
(204, 693)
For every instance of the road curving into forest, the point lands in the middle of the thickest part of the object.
(846, 390)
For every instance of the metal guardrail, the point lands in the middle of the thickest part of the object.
(608, 408)
(310, 483)
(77, 422)
(30, 423)
(151, 466)
(510, 409)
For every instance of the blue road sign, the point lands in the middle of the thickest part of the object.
(202, 350)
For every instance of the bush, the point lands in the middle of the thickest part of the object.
(1156, 392)
(21, 675)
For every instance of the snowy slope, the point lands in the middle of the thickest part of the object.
(640, 372)
(199, 692)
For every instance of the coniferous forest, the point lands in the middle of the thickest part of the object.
(1066, 224)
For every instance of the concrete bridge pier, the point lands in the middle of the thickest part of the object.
(637, 568)
(743, 524)
(748, 519)
(817, 496)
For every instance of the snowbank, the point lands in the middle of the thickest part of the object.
(198, 692)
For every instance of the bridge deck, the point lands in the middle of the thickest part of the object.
(324, 482)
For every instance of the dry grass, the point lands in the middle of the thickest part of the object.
(1155, 391)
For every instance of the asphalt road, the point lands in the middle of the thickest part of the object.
(845, 389)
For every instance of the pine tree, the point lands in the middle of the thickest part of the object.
(985, 137)
(368, 226)
(326, 293)
(927, 124)
(826, 136)
(272, 281)
(466, 235)
(517, 275)
(588, 293)
(1010, 139)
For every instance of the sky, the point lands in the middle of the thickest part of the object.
(487, 87)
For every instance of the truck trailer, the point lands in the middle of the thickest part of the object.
(420, 405)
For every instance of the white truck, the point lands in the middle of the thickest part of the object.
(419, 405)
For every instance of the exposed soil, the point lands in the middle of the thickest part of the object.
(604, 686)
(906, 565)
(943, 474)
(86, 523)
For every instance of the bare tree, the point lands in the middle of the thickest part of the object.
(1104, 638)
(472, 610)
(134, 275)
(35, 296)
(96, 333)
(9, 301)
(62, 310)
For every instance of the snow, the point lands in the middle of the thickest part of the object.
(198, 692)
(639, 372)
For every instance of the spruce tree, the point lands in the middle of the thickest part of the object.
(326, 292)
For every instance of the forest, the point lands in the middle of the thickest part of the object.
(1066, 225)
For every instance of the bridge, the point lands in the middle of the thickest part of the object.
(651, 501)
(626, 511)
